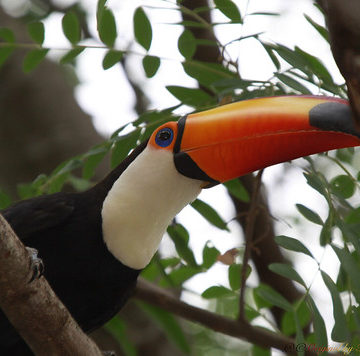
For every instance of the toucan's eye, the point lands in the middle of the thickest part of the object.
(164, 137)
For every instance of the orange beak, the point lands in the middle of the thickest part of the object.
(232, 140)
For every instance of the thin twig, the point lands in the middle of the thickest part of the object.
(249, 233)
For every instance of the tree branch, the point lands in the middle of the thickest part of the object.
(33, 308)
(249, 238)
(264, 248)
(154, 295)
(343, 21)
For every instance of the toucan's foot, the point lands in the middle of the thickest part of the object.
(109, 353)
(36, 264)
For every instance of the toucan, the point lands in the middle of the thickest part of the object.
(95, 243)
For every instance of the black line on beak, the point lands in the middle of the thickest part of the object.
(183, 162)
(180, 132)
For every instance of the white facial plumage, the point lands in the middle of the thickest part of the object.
(141, 204)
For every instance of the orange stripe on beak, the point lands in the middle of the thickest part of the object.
(238, 138)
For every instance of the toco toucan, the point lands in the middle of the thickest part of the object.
(95, 243)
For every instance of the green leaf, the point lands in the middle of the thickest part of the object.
(316, 183)
(264, 13)
(208, 74)
(190, 24)
(187, 44)
(5, 200)
(142, 28)
(36, 31)
(111, 58)
(315, 66)
(190, 96)
(29, 190)
(99, 9)
(234, 275)
(224, 86)
(353, 317)
(93, 158)
(170, 262)
(309, 214)
(292, 83)
(71, 55)
(229, 9)
(289, 55)
(351, 267)
(216, 292)
(340, 330)
(286, 271)
(182, 274)
(170, 326)
(319, 324)
(269, 50)
(259, 351)
(273, 297)
(117, 328)
(5, 53)
(343, 186)
(79, 184)
(353, 216)
(209, 213)
(152, 271)
(180, 236)
(292, 244)
(33, 59)
(71, 27)
(326, 231)
(106, 27)
(7, 35)
(122, 147)
(67, 166)
(320, 29)
(251, 313)
(56, 182)
(151, 65)
(351, 233)
(345, 155)
(210, 255)
(302, 312)
(156, 116)
(299, 339)
(237, 189)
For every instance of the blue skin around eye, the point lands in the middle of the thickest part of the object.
(164, 143)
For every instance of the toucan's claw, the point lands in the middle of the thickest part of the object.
(109, 353)
(36, 264)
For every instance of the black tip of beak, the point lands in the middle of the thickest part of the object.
(333, 116)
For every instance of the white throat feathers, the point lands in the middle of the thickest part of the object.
(141, 204)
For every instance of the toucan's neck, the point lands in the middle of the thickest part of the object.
(141, 203)
(102, 188)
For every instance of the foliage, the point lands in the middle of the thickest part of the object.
(295, 72)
